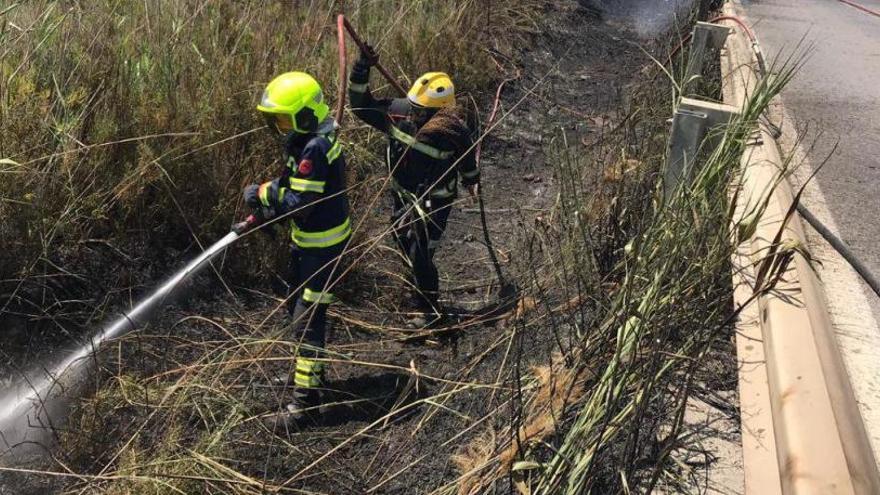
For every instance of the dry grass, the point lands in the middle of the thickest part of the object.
(555, 388)
(629, 295)
(134, 122)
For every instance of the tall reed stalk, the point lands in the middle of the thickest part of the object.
(672, 305)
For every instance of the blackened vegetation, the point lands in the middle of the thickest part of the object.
(569, 177)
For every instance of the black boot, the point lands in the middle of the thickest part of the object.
(428, 313)
(302, 413)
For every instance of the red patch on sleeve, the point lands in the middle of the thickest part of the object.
(305, 167)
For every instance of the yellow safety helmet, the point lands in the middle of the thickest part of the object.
(293, 101)
(433, 90)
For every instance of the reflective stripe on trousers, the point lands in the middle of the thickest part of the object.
(308, 372)
(316, 297)
(471, 174)
(324, 238)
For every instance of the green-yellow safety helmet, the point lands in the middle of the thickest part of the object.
(293, 101)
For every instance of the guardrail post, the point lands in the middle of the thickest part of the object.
(706, 40)
(691, 124)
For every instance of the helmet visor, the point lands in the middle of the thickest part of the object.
(278, 122)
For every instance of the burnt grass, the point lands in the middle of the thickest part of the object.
(575, 75)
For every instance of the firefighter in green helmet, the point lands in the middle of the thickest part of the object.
(310, 190)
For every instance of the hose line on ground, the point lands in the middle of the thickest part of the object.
(507, 289)
(861, 7)
(841, 247)
(860, 267)
(845, 252)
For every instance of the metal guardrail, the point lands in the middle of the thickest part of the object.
(801, 427)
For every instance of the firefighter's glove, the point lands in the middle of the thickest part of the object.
(474, 191)
(262, 211)
(252, 222)
(252, 195)
(244, 226)
(360, 72)
(368, 57)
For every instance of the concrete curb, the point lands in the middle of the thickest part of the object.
(802, 431)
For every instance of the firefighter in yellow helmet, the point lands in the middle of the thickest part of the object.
(430, 146)
(311, 190)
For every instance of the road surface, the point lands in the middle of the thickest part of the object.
(835, 99)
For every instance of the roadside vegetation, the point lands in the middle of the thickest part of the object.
(131, 127)
(643, 329)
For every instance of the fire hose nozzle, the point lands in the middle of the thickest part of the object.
(247, 224)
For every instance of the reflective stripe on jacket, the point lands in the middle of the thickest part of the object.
(312, 189)
(328, 223)
(417, 158)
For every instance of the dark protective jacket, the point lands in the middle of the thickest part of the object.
(312, 185)
(426, 158)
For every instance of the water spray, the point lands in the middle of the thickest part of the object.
(38, 403)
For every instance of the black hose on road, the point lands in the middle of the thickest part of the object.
(841, 247)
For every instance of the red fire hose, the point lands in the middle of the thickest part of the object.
(343, 68)
(861, 7)
(762, 66)
(739, 22)
(343, 25)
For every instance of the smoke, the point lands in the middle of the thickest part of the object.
(649, 18)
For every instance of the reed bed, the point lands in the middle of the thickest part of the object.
(127, 129)
(639, 339)
(578, 386)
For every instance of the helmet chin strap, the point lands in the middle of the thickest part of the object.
(299, 139)
(421, 114)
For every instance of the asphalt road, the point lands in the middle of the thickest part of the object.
(834, 100)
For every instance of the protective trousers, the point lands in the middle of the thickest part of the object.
(313, 273)
(417, 231)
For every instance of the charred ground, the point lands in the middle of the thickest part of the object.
(188, 390)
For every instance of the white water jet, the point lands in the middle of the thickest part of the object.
(38, 403)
